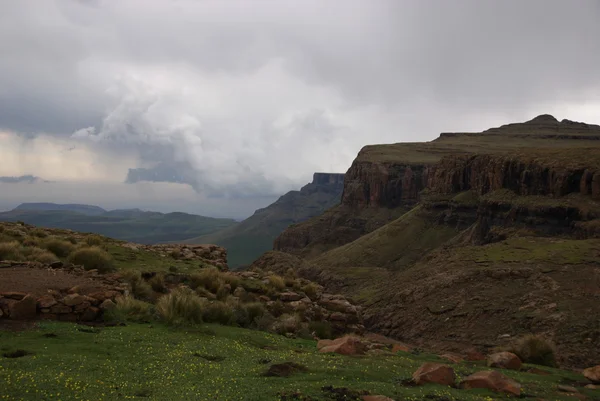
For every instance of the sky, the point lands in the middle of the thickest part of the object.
(219, 107)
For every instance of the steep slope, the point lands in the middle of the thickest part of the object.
(128, 225)
(501, 237)
(252, 237)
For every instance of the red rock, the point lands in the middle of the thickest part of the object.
(452, 358)
(46, 301)
(290, 296)
(81, 306)
(60, 309)
(103, 295)
(107, 305)
(73, 299)
(348, 345)
(399, 347)
(90, 314)
(474, 355)
(504, 360)
(376, 398)
(434, 373)
(592, 374)
(493, 380)
(14, 295)
(23, 309)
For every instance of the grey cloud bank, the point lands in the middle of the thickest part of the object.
(247, 99)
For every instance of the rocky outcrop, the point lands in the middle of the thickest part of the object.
(207, 254)
(492, 380)
(434, 373)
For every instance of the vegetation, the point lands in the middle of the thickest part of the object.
(92, 258)
(180, 306)
(535, 349)
(59, 247)
(130, 309)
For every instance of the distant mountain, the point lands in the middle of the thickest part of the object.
(250, 238)
(29, 179)
(126, 224)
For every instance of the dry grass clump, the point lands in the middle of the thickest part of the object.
(60, 248)
(40, 233)
(35, 254)
(94, 240)
(218, 312)
(92, 258)
(276, 282)
(139, 287)
(158, 283)
(130, 309)
(181, 306)
(10, 251)
(209, 278)
(535, 349)
(311, 290)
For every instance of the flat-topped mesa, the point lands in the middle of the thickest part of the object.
(328, 179)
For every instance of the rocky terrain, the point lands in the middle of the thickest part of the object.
(470, 239)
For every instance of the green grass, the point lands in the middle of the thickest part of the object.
(210, 362)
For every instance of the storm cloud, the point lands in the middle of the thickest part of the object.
(242, 99)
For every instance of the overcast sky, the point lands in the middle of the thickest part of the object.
(244, 100)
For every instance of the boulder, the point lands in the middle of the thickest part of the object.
(400, 347)
(566, 389)
(434, 373)
(504, 360)
(59, 309)
(81, 306)
(474, 355)
(592, 374)
(46, 301)
(107, 305)
(24, 309)
(347, 345)
(90, 314)
(14, 295)
(290, 296)
(592, 387)
(492, 380)
(73, 299)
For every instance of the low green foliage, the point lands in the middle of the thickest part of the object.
(92, 258)
(158, 283)
(60, 248)
(218, 312)
(180, 306)
(209, 278)
(276, 282)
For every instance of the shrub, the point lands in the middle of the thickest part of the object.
(30, 241)
(130, 309)
(38, 232)
(265, 322)
(158, 283)
(311, 290)
(233, 281)
(287, 323)
(175, 254)
(10, 251)
(92, 258)
(38, 255)
(276, 282)
(60, 248)
(181, 306)
(255, 311)
(222, 293)
(94, 240)
(72, 240)
(209, 278)
(278, 308)
(535, 349)
(139, 287)
(321, 329)
(218, 312)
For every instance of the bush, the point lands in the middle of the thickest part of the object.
(139, 287)
(72, 240)
(265, 322)
(92, 258)
(255, 311)
(30, 241)
(175, 254)
(130, 309)
(209, 278)
(287, 323)
(94, 240)
(233, 281)
(35, 254)
(535, 349)
(60, 248)
(321, 329)
(10, 251)
(38, 232)
(278, 308)
(276, 282)
(181, 306)
(311, 290)
(218, 312)
(158, 283)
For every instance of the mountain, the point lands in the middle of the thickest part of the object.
(467, 238)
(29, 179)
(126, 224)
(250, 238)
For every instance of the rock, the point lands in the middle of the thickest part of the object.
(107, 305)
(504, 360)
(400, 348)
(592, 387)
(338, 305)
(290, 296)
(90, 314)
(82, 306)
(376, 398)
(434, 373)
(46, 301)
(73, 299)
(452, 358)
(74, 290)
(1, 313)
(492, 380)
(60, 309)
(56, 265)
(338, 317)
(474, 355)
(592, 374)
(566, 389)
(24, 309)
(378, 352)
(103, 295)
(14, 295)
(347, 345)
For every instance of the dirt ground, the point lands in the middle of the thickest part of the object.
(39, 281)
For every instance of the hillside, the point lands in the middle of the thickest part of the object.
(250, 238)
(129, 225)
(467, 238)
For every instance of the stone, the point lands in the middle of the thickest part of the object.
(338, 317)
(81, 306)
(60, 309)
(107, 305)
(436, 373)
(492, 380)
(592, 374)
(1, 313)
(14, 295)
(474, 355)
(290, 296)
(24, 309)
(90, 314)
(504, 360)
(376, 398)
(566, 389)
(73, 299)
(592, 387)
(46, 301)
(67, 317)
(74, 290)
(452, 358)
(400, 348)
(347, 345)
(56, 265)
(338, 305)
(239, 292)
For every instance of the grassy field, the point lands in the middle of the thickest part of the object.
(210, 362)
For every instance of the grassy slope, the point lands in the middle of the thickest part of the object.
(146, 227)
(142, 362)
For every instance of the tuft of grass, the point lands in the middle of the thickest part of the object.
(311, 290)
(92, 258)
(38, 232)
(94, 240)
(218, 312)
(181, 306)
(158, 283)
(36, 254)
(322, 330)
(139, 287)
(276, 282)
(130, 309)
(60, 248)
(209, 278)
(10, 251)
(535, 349)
